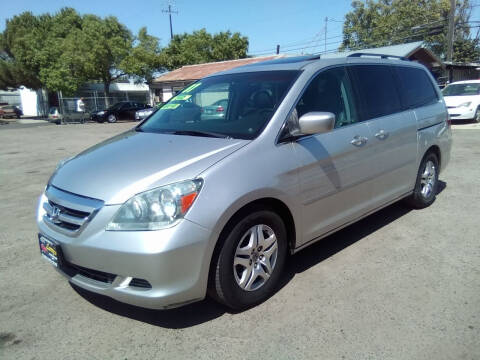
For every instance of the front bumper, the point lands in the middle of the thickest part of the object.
(99, 118)
(174, 261)
(461, 113)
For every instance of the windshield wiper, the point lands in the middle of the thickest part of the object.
(200, 133)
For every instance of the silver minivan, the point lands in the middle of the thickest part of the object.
(181, 206)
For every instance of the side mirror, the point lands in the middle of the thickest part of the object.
(316, 122)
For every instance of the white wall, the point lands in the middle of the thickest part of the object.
(29, 101)
(167, 93)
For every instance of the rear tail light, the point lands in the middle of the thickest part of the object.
(220, 109)
(449, 121)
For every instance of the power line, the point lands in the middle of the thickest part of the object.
(315, 40)
(422, 30)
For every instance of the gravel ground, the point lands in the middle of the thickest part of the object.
(398, 285)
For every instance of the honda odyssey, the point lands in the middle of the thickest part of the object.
(181, 206)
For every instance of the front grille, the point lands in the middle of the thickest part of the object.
(68, 213)
(71, 212)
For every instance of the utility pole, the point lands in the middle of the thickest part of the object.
(326, 22)
(169, 12)
(451, 21)
(278, 49)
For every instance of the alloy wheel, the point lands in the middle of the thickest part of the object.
(428, 178)
(255, 257)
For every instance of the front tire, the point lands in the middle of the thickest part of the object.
(476, 118)
(249, 264)
(425, 190)
(111, 118)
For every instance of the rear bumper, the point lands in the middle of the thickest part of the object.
(174, 261)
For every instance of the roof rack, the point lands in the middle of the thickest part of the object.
(383, 56)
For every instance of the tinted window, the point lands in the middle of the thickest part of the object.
(376, 90)
(330, 91)
(252, 100)
(416, 87)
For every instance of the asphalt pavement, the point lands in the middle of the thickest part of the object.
(400, 284)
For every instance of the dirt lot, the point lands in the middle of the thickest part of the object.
(398, 285)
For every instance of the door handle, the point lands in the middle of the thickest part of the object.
(359, 140)
(381, 135)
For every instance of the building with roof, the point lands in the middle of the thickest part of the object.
(165, 86)
(462, 71)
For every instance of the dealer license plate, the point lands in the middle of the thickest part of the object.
(49, 250)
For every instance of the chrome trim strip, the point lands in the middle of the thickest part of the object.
(72, 201)
(72, 219)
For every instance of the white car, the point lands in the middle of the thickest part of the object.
(463, 100)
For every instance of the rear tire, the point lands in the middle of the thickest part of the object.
(425, 190)
(247, 268)
(111, 118)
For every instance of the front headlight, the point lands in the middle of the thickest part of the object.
(158, 208)
(465, 104)
(100, 112)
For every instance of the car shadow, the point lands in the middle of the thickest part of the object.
(207, 309)
(178, 318)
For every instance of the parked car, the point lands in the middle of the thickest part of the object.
(179, 206)
(55, 116)
(215, 110)
(123, 110)
(144, 113)
(463, 100)
(10, 111)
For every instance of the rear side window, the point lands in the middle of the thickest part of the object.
(416, 87)
(376, 88)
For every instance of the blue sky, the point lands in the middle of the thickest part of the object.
(298, 26)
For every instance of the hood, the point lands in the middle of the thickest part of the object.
(133, 162)
(457, 100)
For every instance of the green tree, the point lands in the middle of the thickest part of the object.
(61, 52)
(376, 23)
(19, 44)
(144, 59)
(35, 52)
(105, 44)
(200, 47)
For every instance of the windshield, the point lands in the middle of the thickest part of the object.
(234, 105)
(462, 89)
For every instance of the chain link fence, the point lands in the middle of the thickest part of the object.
(80, 108)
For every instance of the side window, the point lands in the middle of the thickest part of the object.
(376, 88)
(330, 91)
(416, 87)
